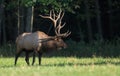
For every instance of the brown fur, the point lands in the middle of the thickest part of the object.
(38, 42)
(29, 41)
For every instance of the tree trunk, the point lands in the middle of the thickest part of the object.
(4, 29)
(18, 14)
(110, 18)
(98, 20)
(1, 14)
(1, 19)
(22, 20)
(29, 19)
(89, 28)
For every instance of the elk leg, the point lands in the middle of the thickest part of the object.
(33, 58)
(39, 57)
(16, 56)
(27, 57)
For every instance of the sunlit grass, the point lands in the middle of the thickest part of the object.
(62, 66)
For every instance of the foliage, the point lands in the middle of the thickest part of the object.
(7, 50)
(55, 4)
(45, 4)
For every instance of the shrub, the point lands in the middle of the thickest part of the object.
(77, 49)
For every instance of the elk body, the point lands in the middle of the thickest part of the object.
(39, 42)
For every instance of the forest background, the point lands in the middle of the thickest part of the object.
(94, 24)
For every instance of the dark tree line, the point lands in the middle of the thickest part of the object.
(88, 20)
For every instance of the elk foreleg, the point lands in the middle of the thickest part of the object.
(39, 57)
(16, 56)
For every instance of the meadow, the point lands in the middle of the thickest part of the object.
(61, 66)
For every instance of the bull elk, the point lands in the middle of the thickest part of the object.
(39, 42)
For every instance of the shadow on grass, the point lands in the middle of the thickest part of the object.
(70, 63)
(64, 64)
(82, 64)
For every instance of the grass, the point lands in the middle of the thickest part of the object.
(62, 66)
(100, 59)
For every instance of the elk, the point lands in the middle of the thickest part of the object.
(39, 42)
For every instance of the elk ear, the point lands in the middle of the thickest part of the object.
(57, 38)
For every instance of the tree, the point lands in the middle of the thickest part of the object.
(98, 19)
(1, 18)
(89, 27)
(110, 17)
(29, 19)
(25, 16)
(18, 14)
(2, 23)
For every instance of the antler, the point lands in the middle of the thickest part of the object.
(57, 19)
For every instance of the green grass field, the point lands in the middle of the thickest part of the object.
(62, 66)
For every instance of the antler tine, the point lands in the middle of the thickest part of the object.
(50, 13)
(57, 31)
(51, 17)
(53, 12)
(62, 16)
(59, 27)
(65, 34)
(60, 20)
(45, 16)
(58, 17)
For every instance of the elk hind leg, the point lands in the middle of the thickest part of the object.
(39, 57)
(33, 57)
(27, 57)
